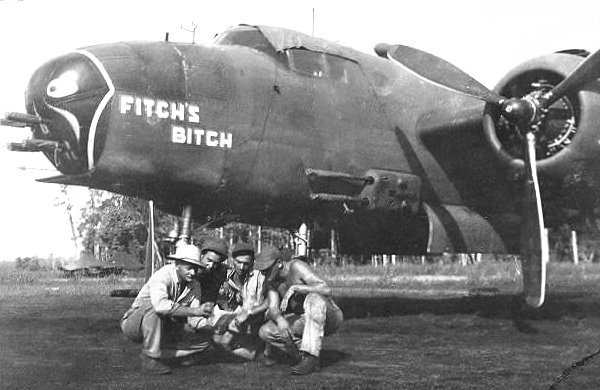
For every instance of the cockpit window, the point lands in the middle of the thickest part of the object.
(307, 62)
(246, 36)
(337, 68)
(323, 65)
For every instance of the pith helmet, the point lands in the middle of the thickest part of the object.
(188, 253)
(217, 245)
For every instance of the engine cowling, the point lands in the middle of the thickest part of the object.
(567, 135)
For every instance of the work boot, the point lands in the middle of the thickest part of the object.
(154, 366)
(307, 365)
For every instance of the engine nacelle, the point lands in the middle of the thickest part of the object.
(568, 135)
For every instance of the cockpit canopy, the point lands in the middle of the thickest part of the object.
(248, 36)
(299, 52)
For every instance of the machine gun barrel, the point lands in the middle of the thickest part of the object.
(20, 119)
(335, 198)
(6, 122)
(336, 175)
(34, 145)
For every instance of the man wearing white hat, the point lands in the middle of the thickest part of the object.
(167, 315)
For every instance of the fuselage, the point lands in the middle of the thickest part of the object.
(233, 127)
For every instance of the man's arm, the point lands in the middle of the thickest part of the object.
(243, 314)
(273, 311)
(192, 300)
(311, 283)
(275, 314)
(259, 309)
(164, 305)
(183, 311)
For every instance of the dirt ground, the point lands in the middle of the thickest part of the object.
(402, 342)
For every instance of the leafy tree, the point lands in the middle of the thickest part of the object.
(118, 223)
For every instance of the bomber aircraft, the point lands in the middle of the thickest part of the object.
(400, 152)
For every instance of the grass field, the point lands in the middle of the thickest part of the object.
(502, 276)
(408, 326)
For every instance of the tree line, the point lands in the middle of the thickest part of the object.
(117, 223)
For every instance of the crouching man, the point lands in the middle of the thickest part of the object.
(300, 311)
(167, 316)
(242, 295)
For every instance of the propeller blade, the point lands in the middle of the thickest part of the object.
(441, 72)
(586, 71)
(534, 240)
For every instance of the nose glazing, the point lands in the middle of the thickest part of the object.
(67, 91)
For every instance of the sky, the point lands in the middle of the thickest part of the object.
(484, 38)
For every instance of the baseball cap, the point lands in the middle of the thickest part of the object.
(217, 245)
(266, 258)
(243, 248)
(188, 253)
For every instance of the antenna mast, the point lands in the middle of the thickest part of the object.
(192, 30)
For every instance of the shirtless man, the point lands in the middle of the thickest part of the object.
(300, 311)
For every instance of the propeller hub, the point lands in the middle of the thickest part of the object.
(521, 111)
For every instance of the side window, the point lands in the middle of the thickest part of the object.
(327, 66)
(306, 62)
(336, 68)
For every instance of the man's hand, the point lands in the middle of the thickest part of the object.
(285, 328)
(206, 309)
(284, 302)
(241, 316)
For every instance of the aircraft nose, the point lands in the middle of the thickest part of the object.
(68, 92)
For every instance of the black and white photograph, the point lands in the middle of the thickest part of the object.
(300, 195)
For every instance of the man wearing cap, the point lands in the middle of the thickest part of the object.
(168, 315)
(243, 295)
(300, 312)
(236, 291)
(213, 252)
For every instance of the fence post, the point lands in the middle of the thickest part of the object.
(333, 244)
(574, 247)
(259, 239)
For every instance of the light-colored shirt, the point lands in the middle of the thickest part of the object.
(166, 293)
(253, 291)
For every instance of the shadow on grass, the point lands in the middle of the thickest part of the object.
(505, 306)
(329, 357)
(488, 304)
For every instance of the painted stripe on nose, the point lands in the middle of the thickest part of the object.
(101, 106)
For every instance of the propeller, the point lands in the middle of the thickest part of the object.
(526, 113)
(520, 111)
(534, 240)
